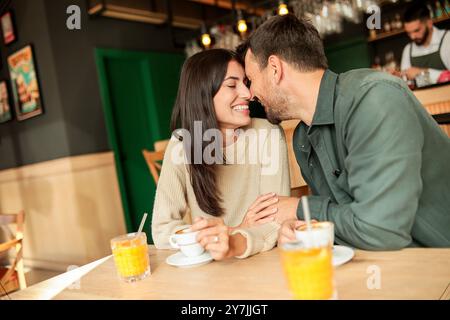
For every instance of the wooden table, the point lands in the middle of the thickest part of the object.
(405, 274)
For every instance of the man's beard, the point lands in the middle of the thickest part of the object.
(421, 41)
(273, 116)
(276, 109)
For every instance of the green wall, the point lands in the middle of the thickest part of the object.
(347, 55)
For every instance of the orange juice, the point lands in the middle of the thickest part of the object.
(131, 256)
(309, 272)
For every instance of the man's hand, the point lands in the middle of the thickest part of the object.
(394, 72)
(287, 209)
(287, 230)
(413, 72)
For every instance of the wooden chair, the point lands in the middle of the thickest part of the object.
(161, 145)
(12, 278)
(300, 191)
(299, 187)
(153, 159)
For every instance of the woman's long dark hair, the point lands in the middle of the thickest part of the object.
(201, 78)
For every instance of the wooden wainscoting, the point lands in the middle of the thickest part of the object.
(72, 208)
(296, 176)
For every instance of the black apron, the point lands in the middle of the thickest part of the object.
(429, 61)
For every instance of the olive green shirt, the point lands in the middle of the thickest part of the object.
(377, 163)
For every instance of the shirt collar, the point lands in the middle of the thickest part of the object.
(324, 113)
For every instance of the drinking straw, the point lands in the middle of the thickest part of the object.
(307, 216)
(142, 225)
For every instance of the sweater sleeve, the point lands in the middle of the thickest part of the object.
(170, 201)
(274, 178)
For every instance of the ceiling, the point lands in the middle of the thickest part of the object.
(181, 13)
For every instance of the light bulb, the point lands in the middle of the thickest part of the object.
(242, 26)
(283, 9)
(206, 40)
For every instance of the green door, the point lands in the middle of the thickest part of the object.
(138, 91)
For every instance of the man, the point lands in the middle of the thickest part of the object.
(376, 162)
(430, 47)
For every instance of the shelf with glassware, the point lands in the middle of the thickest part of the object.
(387, 45)
(397, 31)
(392, 24)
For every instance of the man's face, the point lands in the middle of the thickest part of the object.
(418, 31)
(265, 91)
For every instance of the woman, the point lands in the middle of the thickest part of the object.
(209, 167)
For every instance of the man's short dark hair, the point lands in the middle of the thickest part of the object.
(294, 40)
(418, 10)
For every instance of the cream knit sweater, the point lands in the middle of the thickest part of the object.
(260, 165)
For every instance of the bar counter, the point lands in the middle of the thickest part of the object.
(437, 102)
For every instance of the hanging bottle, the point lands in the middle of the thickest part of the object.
(438, 12)
(447, 7)
(430, 8)
(398, 22)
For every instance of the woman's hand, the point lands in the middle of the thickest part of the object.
(213, 236)
(263, 210)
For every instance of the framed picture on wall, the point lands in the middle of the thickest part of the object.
(24, 83)
(5, 108)
(9, 34)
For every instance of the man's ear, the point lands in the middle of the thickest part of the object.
(275, 68)
(430, 24)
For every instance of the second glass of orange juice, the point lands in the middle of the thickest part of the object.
(307, 263)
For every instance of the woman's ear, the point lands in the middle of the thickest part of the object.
(275, 68)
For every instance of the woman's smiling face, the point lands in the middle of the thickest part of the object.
(232, 99)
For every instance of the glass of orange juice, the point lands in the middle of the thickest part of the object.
(131, 257)
(307, 263)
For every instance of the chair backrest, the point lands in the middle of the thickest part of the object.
(161, 145)
(297, 180)
(153, 159)
(16, 270)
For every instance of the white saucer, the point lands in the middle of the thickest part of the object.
(180, 260)
(341, 255)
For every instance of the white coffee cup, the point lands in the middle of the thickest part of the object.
(192, 250)
(186, 241)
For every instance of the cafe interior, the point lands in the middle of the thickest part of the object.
(87, 91)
